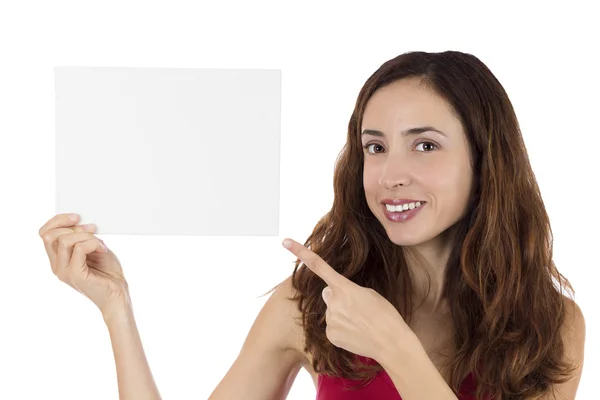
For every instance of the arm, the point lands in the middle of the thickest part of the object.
(265, 368)
(270, 357)
(134, 377)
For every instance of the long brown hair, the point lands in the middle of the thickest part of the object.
(499, 285)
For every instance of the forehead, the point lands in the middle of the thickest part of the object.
(406, 103)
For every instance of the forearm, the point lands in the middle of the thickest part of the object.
(134, 377)
(414, 375)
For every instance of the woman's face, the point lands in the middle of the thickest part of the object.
(427, 166)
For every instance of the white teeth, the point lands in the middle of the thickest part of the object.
(403, 207)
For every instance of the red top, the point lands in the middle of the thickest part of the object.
(380, 388)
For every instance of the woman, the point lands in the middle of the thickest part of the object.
(430, 278)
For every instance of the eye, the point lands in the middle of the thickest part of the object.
(430, 143)
(369, 145)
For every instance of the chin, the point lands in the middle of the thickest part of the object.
(401, 235)
(402, 238)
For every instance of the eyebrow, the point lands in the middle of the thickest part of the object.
(407, 132)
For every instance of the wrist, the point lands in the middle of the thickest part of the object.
(400, 347)
(118, 311)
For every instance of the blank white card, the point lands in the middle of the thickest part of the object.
(169, 151)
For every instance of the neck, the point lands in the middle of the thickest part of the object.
(427, 263)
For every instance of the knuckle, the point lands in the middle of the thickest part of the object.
(79, 247)
(63, 241)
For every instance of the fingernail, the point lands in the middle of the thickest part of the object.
(89, 227)
(73, 217)
(103, 244)
(287, 243)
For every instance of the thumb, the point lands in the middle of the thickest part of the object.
(80, 253)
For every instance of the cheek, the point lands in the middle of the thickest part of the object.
(435, 176)
(451, 182)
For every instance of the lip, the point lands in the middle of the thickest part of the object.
(403, 216)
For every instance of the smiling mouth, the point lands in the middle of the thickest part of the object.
(404, 207)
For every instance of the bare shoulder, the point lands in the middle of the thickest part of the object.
(573, 336)
(271, 355)
(574, 321)
(295, 333)
(281, 305)
(573, 331)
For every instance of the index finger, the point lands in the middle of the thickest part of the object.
(58, 221)
(316, 264)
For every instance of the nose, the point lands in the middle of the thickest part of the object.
(395, 172)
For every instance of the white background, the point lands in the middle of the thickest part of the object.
(196, 297)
